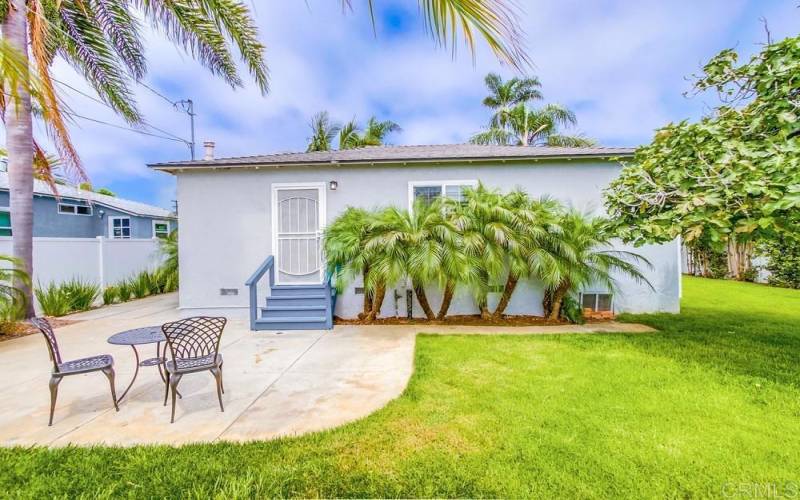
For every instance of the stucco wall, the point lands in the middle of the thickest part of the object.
(222, 243)
(48, 222)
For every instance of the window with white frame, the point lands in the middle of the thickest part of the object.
(160, 229)
(119, 228)
(72, 209)
(596, 301)
(5, 221)
(428, 191)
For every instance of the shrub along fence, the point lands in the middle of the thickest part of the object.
(70, 264)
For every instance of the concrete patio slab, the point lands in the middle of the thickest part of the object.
(276, 384)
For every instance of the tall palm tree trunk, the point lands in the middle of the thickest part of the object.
(19, 143)
(511, 285)
(447, 298)
(422, 298)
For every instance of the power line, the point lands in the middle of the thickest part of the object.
(148, 125)
(122, 127)
(159, 94)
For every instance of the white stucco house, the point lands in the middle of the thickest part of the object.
(238, 212)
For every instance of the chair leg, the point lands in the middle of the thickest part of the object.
(54, 381)
(218, 376)
(173, 383)
(221, 385)
(166, 389)
(109, 372)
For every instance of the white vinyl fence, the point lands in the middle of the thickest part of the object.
(98, 260)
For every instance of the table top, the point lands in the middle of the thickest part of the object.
(144, 335)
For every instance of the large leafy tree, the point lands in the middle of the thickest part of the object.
(103, 40)
(731, 178)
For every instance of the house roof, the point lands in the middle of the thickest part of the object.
(401, 154)
(75, 193)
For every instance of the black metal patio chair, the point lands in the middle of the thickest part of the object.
(194, 347)
(100, 363)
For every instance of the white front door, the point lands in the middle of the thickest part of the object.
(298, 214)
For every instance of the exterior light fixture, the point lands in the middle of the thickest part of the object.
(333, 185)
(101, 213)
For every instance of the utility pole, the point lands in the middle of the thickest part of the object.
(187, 106)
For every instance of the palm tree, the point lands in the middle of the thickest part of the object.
(376, 131)
(345, 253)
(322, 132)
(12, 298)
(524, 126)
(411, 244)
(350, 136)
(505, 95)
(486, 227)
(103, 41)
(531, 223)
(581, 256)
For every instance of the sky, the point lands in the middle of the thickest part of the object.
(623, 66)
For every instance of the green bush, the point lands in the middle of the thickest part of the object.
(110, 294)
(140, 285)
(571, 310)
(124, 290)
(73, 295)
(82, 294)
(53, 300)
(783, 261)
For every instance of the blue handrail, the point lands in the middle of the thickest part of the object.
(329, 285)
(252, 284)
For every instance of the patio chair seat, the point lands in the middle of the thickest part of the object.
(188, 365)
(84, 365)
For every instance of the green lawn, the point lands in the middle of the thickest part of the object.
(710, 402)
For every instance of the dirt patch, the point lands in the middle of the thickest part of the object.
(16, 329)
(460, 320)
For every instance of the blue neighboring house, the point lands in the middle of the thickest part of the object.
(78, 213)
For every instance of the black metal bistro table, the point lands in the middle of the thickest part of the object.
(141, 336)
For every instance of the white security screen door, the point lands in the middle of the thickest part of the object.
(298, 212)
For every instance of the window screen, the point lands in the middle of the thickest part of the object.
(427, 194)
(161, 229)
(120, 228)
(5, 223)
(74, 209)
(597, 302)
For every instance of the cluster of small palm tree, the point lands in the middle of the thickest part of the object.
(515, 123)
(351, 135)
(482, 238)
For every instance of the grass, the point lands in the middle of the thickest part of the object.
(708, 406)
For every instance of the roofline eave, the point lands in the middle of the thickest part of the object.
(221, 164)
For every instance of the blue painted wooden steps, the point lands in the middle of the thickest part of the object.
(297, 307)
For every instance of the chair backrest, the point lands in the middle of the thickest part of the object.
(194, 337)
(50, 337)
